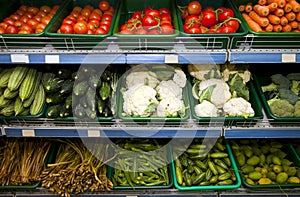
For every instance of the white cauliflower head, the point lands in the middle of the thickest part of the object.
(206, 109)
(238, 107)
(220, 94)
(170, 107)
(200, 70)
(179, 77)
(140, 76)
(169, 89)
(138, 100)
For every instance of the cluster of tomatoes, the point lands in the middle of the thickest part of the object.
(28, 20)
(88, 20)
(208, 20)
(149, 21)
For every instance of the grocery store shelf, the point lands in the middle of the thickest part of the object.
(264, 56)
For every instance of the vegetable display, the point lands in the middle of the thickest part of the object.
(86, 93)
(197, 19)
(154, 91)
(28, 20)
(21, 92)
(203, 163)
(265, 162)
(141, 163)
(272, 15)
(88, 19)
(149, 21)
(221, 90)
(282, 94)
(22, 161)
(78, 168)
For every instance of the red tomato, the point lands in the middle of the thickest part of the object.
(38, 30)
(226, 29)
(18, 24)
(126, 27)
(45, 8)
(209, 8)
(187, 26)
(184, 13)
(41, 13)
(194, 30)
(153, 12)
(11, 29)
(192, 19)
(23, 8)
(109, 13)
(93, 25)
(33, 23)
(90, 31)
(75, 14)
(154, 31)
(2, 31)
(106, 17)
(126, 31)
(209, 18)
(194, 7)
(38, 18)
(9, 21)
(3, 25)
(105, 23)
(66, 29)
(100, 30)
(149, 21)
(80, 27)
(68, 21)
(85, 12)
(98, 11)
(104, 5)
(15, 17)
(233, 23)
(27, 27)
(167, 29)
(165, 22)
(82, 18)
(33, 10)
(89, 7)
(95, 16)
(164, 10)
(46, 20)
(22, 31)
(41, 26)
(20, 12)
(24, 19)
(137, 15)
(105, 27)
(224, 14)
(146, 9)
(166, 17)
(29, 15)
(141, 31)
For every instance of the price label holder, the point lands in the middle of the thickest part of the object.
(288, 58)
(171, 59)
(19, 58)
(28, 133)
(93, 133)
(52, 59)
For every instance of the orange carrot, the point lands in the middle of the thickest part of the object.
(261, 20)
(248, 7)
(262, 2)
(269, 28)
(280, 3)
(252, 24)
(283, 20)
(261, 10)
(290, 16)
(298, 16)
(288, 7)
(295, 5)
(294, 24)
(287, 28)
(272, 7)
(273, 19)
(242, 8)
(277, 28)
(279, 12)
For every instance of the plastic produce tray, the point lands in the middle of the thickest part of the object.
(78, 41)
(212, 38)
(264, 39)
(261, 79)
(291, 156)
(293, 151)
(133, 41)
(23, 40)
(50, 157)
(120, 101)
(255, 103)
(212, 187)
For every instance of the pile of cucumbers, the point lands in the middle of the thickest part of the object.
(86, 93)
(21, 92)
(265, 162)
(203, 163)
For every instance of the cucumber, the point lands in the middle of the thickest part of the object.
(17, 77)
(38, 102)
(8, 94)
(54, 98)
(4, 102)
(106, 76)
(90, 98)
(94, 81)
(53, 84)
(100, 104)
(4, 77)
(64, 73)
(28, 101)
(27, 85)
(90, 113)
(79, 111)
(54, 110)
(106, 111)
(67, 86)
(104, 91)
(80, 88)
(46, 77)
(64, 112)
(68, 102)
(18, 106)
(8, 110)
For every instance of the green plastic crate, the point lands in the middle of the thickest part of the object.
(236, 185)
(218, 40)
(232, 121)
(78, 41)
(264, 39)
(133, 41)
(24, 40)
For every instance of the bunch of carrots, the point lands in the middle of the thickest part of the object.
(272, 15)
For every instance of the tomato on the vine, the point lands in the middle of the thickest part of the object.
(194, 30)
(225, 13)
(233, 23)
(209, 18)
(166, 28)
(226, 29)
(192, 19)
(149, 21)
(141, 31)
(153, 12)
(164, 10)
(165, 17)
(194, 7)
(137, 15)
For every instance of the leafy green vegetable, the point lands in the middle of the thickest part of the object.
(237, 87)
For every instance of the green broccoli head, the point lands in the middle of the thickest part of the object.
(281, 80)
(288, 95)
(281, 107)
(270, 88)
(237, 87)
(297, 109)
(295, 86)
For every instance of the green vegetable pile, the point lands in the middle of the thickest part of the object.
(282, 94)
(264, 162)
